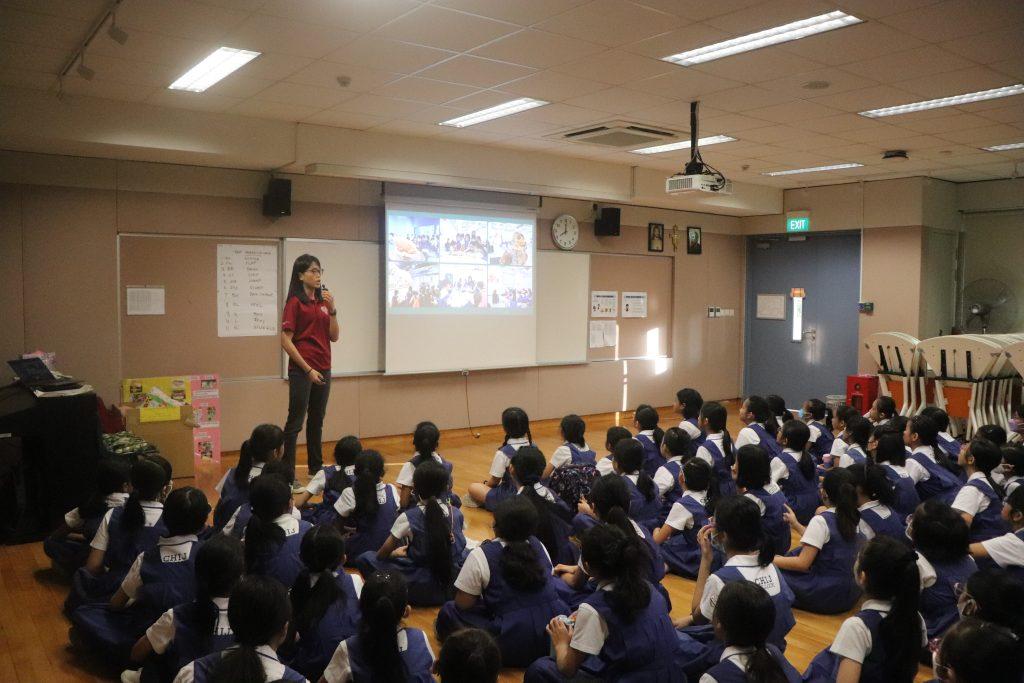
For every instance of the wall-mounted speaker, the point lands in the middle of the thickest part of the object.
(277, 201)
(607, 223)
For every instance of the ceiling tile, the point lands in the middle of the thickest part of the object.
(675, 114)
(616, 67)
(389, 55)
(866, 98)
(264, 33)
(445, 29)
(798, 110)
(482, 73)
(858, 152)
(915, 63)
(879, 133)
(273, 66)
(286, 92)
(109, 90)
(788, 157)
(958, 19)
(481, 99)
(986, 48)
(433, 115)
(681, 83)
(552, 86)
(839, 80)
(839, 122)
(424, 90)
(195, 101)
(618, 100)
(697, 10)
(961, 175)
(473, 134)
(1012, 67)
(955, 82)
(33, 80)
(273, 110)
(241, 87)
(375, 105)
(58, 32)
(983, 136)
(355, 15)
(154, 48)
(325, 75)
(815, 142)
(182, 18)
(771, 134)
(678, 40)
(723, 122)
(522, 12)
(76, 9)
(852, 43)
(743, 98)
(758, 66)
(129, 71)
(1011, 114)
(876, 9)
(538, 49)
(413, 128)
(563, 115)
(34, 58)
(767, 15)
(611, 22)
(345, 119)
(514, 125)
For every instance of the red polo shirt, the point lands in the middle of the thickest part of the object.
(310, 325)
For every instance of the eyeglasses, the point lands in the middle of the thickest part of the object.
(315, 271)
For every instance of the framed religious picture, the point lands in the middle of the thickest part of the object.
(693, 244)
(656, 237)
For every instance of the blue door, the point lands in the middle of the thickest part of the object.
(827, 267)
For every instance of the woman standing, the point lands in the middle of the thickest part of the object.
(308, 326)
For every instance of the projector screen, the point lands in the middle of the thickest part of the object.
(460, 288)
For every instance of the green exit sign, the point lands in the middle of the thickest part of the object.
(798, 222)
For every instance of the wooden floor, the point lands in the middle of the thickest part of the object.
(33, 632)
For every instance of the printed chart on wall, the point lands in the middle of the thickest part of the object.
(247, 290)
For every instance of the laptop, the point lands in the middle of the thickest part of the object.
(33, 373)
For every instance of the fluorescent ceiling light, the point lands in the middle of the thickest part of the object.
(813, 169)
(1004, 148)
(495, 112)
(771, 36)
(217, 65)
(672, 146)
(953, 101)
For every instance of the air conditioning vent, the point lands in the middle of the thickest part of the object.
(620, 135)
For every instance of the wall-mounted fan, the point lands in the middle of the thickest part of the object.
(989, 307)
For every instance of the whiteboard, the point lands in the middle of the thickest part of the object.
(247, 290)
(563, 300)
(352, 273)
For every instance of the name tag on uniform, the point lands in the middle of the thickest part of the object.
(170, 556)
(768, 583)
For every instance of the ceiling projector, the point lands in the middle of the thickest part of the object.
(697, 182)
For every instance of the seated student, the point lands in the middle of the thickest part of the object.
(123, 533)
(160, 578)
(240, 519)
(614, 435)
(752, 474)
(367, 509)
(499, 486)
(623, 631)
(273, 536)
(469, 656)
(1012, 474)
(689, 403)
(761, 426)
(940, 539)
(1006, 551)
(258, 614)
(717, 448)
(740, 533)
(995, 596)
(994, 433)
(330, 481)
(265, 444)
(891, 455)
(553, 514)
(645, 421)
(506, 588)
(794, 471)
(384, 649)
(875, 496)
(325, 603)
(675, 446)
(425, 440)
(858, 434)
(840, 422)
(644, 506)
(881, 643)
(68, 546)
(192, 629)
(426, 543)
(927, 465)
(609, 500)
(574, 449)
(883, 409)
(949, 445)
(816, 416)
(779, 410)
(1016, 431)
(743, 620)
(820, 571)
(980, 501)
(688, 515)
(975, 651)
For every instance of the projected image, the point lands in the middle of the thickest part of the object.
(464, 241)
(511, 244)
(463, 286)
(413, 238)
(510, 287)
(413, 285)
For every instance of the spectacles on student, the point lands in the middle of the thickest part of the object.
(315, 271)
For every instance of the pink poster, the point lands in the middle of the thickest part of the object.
(206, 445)
(205, 386)
(206, 412)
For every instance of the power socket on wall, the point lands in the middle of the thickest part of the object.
(718, 312)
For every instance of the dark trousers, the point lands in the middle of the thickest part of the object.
(306, 397)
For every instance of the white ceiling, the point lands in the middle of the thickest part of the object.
(413, 63)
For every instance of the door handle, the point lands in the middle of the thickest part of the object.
(812, 334)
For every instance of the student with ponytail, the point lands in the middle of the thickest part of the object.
(743, 620)
(820, 571)
(976, 651)
(795, 472)
(236, 525)
(499, 485)
(819, 443)
(675, 447)
(553, 514)
(689, 404)
(612, 437)
(628, 463)
(426, 543)
(384, 651)
(891, 455)
(645, 421)
(717, 448)
(425, 440)
(273, 536)
(325, 603)
(761, 426)
(753, 476)
(367, 510)
(1006, 551)
(258, 615)
(875, 496)
(927, 465)
(623, 631)
(329, 482)
(193, 629)
(574, 449)
(881, 643)
(506, 588)
(265, 444)
(950, 445)
(678, 536)
(980, 501)
(858, 434)
(840, 427)
(1012, 471)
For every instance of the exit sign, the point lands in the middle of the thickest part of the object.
(798, 221)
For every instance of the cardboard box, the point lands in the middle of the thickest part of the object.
(173, 439)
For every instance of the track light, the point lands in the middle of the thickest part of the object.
(84, 71)
(116, 33)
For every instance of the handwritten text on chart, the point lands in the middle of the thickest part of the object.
(246, 290)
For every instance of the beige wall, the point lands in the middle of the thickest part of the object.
(994, 248)
(891, 278)
(938, 282)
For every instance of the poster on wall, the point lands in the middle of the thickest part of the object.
(771, 306)
(634, 304)
(604, 304)
(206, 446)
(206, 412)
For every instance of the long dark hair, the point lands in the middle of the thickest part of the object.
(322, 551)
(987, 457)
(615, 435)
(981, 652)
(890, 448)
(573, 428)
(257, 611)
(999, 596)
(345, 452)
(647, 417)
(430, 481)
(515, 521)
(994, 433)
(779, 410)
(185, 511)
(753, 470)
(220, 563)
(763, 414)
(516, 424)
(425, 439)
(610, 555)
(1013, 455)
(746, 614)
(797, 434)
(369, 470)
(928, 432)
(469, 655)
(872, 480)
(838, 485)
(858, 431)
(629, 456)
(691, 402)
(677, 441)
(148, 481)
(699, 476)
(383, 600)
(269, 498)
(528, 464)
(739, 518)
(295, 286)
(717, 416)
(939, 532)
(890, 573)
(264, 440)
(111, 476)
(610, 499)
